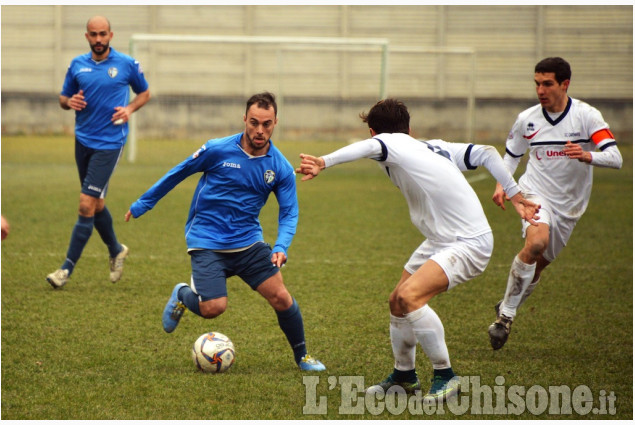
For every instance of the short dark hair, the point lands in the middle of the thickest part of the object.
(264, 100)
(558, 66)
(388, 116)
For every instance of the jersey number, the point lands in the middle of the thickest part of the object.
(438, 150)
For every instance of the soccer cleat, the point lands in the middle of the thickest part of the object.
(58, 278)
(116, 264)
(309, 363)
(173, 310)
(386, 384)
(442, 389)
(499, 331)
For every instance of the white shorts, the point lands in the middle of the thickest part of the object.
(560, 228)
(461, 260)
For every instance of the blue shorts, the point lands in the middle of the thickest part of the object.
(210, 269)
(95, 168)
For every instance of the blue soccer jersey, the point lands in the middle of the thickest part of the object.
(230, 194)
(105, 85)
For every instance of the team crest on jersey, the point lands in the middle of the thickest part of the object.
(269, 176)
(112, 72)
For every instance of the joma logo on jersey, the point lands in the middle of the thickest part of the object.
(112, 72)
(95, 188)
(270, 176)
(231, 165)
(86, 70)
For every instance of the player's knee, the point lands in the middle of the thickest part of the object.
(209, 310)
(86, 210)
(101, 205)
(536, 248)
(403, 299)
(280, 300)
(393, 302)
(88, 205)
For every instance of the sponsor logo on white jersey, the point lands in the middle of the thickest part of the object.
(550, 154)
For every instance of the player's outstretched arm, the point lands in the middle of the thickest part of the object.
(499, 197)
(310, 166)
(526, 209)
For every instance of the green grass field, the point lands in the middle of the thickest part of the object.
(94, 350)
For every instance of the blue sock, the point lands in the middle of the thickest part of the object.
(190, 299)
(446, 373)
(81, 233)
(404, 375)
(290, 321)
(103, 224)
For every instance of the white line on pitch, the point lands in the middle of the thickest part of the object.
(476, 178)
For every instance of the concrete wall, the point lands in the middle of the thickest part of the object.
(199, 89)
(299, 118)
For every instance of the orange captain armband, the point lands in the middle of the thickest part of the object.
(600, 135)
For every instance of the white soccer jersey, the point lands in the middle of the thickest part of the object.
(442, 204)
(565, 183)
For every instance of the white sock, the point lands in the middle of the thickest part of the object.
(428, 330)
(404, 343)
(520, 277)
(528, 291)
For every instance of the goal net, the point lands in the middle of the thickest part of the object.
(200, 84)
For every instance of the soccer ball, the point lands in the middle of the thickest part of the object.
(213, 352)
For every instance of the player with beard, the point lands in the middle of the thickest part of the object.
(96, 87)
(223, 232)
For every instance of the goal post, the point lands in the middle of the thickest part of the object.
(281, 46)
